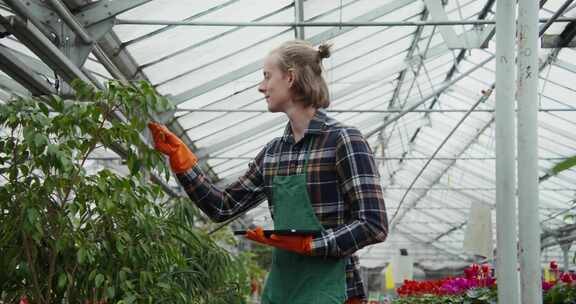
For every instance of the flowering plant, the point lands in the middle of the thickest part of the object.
(560, 287)
(477, 286)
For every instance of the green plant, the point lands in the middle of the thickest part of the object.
(560, 293)
(471, 296)
(559, 167)
(68, 235)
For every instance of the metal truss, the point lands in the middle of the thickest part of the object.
(256, 65)
(36, 40)
(323, 24)
(566, 38)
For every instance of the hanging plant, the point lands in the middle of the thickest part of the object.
(68, 235)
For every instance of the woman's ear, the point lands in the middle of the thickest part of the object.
(291, 76)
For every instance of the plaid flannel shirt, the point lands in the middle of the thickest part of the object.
(343, 185)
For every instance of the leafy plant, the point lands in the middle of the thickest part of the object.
(477, 286)
(560, 293)
(68, 235)
(476, 295)
(559, 167)
(560, 287)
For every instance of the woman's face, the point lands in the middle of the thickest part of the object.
(276, 85)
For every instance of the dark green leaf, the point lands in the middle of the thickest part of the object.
(99, 280)
(62, 280)
(43, 108)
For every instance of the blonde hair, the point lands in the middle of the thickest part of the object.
(300, 56)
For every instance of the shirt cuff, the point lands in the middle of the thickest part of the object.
(320, 245)
(189, 176)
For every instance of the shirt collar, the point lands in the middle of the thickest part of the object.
(316, 126)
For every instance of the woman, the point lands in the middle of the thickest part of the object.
(320, 175)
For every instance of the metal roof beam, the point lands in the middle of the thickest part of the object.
(411, 50)
(492, 206)
(22, 73)
(433, 53)
(413, 203)
(169, 27)
(34, 63)
(409, 234)
(482, 15)
(429, 96)
(327, 24)
(39, 44)
(103, 10)
(4, 96)
(122, 66)
(33, 38)
(554, 41)
(256, 65)
(468, 40)
(10, 85)
(202, 153)
(223, 110)
(275, 122)
(203, 42)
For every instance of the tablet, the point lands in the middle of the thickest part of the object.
(267, 233)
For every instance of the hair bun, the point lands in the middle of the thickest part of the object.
(324, 50)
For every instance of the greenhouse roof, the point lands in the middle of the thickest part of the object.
(387, 56)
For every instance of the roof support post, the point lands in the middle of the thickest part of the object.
(566, 255)
(528, 197)
(299, 17)
(506, 231)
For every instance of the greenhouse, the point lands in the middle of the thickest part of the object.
(141, 140)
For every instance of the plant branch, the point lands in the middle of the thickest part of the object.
(90, 149)
(52, 253)
(28, 251)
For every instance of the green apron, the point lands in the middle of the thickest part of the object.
(296, 278)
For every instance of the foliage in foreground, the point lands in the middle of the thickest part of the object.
(69, 235)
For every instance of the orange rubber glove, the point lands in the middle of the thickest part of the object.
(295, 243)
(181, 158)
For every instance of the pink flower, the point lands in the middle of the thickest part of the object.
(546, 286)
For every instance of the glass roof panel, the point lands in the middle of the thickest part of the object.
(219, 68)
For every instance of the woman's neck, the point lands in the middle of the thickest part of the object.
(299, 120)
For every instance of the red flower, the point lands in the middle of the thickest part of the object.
(486, 268)
(475, 268)
(566, 277)
(553, 265)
